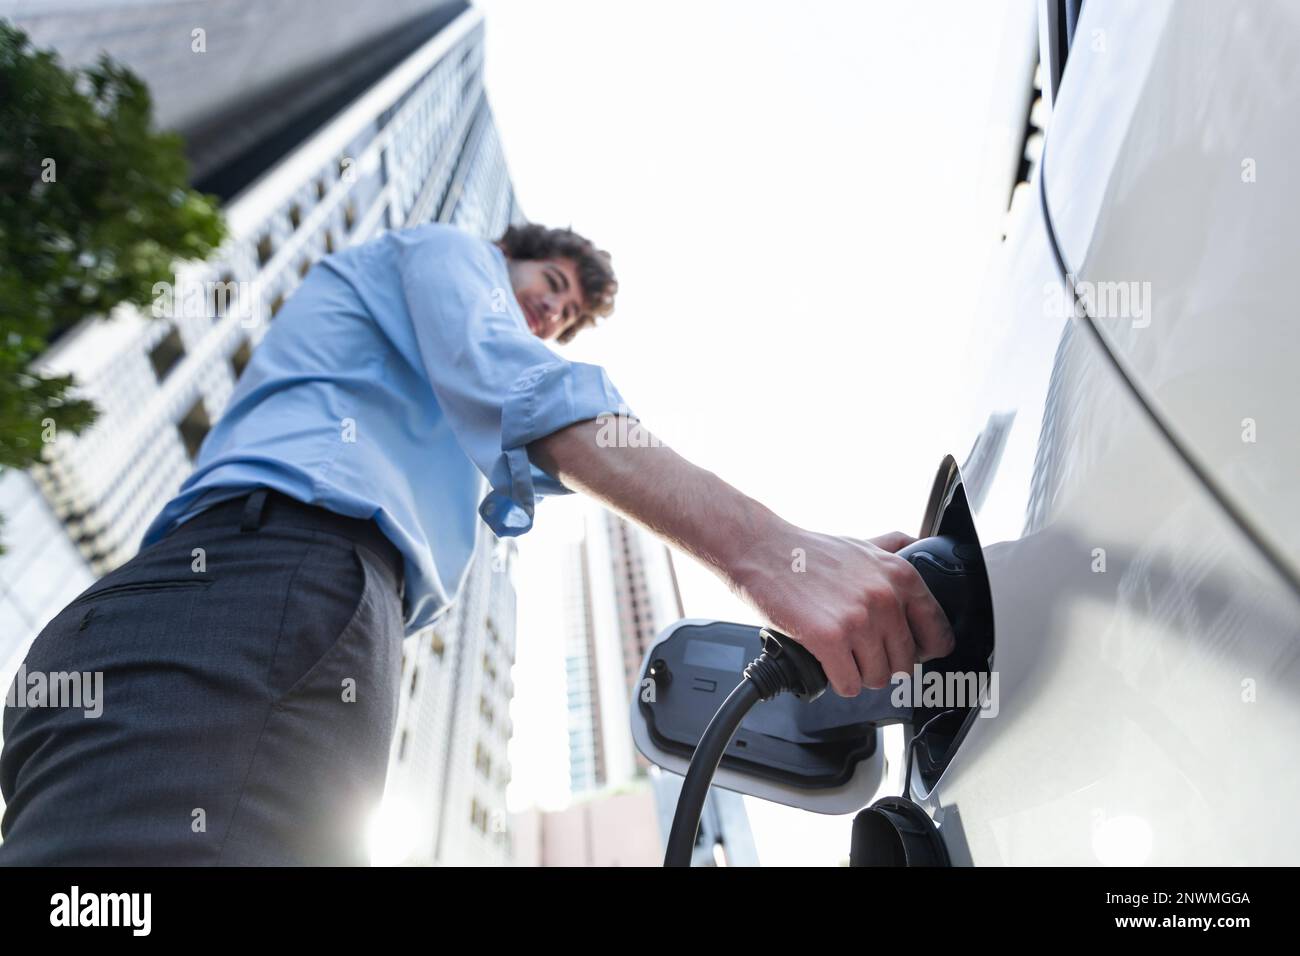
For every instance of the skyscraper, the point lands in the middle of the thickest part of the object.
(621, 591)
(445, 800)
(389, 128)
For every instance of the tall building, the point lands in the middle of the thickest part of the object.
(587, 758)
(402, 135)
(239, 79)
(445, 800)
(620, 592)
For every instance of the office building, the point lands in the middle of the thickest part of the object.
(361, 118)
(620, 591)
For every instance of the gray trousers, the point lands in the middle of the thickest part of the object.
(250, 666)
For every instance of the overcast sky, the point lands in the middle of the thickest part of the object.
(800, 204)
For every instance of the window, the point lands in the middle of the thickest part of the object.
(264, 250)
(167, 354)
(194, 428)
(240, 359)
(295, 215)
(349, 215)
(304, 268)
(276, 304)
(478, 815)
(223, 293)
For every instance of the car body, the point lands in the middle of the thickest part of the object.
(1133, 407)
(1134, 486)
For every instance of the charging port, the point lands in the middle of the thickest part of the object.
(964, 677)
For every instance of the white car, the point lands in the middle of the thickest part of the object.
(1134, 407)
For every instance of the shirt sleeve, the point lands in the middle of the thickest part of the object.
(499, 385)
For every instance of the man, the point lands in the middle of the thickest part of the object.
(251, 651)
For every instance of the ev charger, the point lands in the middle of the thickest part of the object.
(744, 707)
(823, 756)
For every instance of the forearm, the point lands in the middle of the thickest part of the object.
(863, 612)
(650, 483)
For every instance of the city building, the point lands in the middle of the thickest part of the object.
(620, 592)
(445, 800)
(402, 134)
(243, 81)
(613, 828)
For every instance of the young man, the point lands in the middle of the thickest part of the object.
(251, 651)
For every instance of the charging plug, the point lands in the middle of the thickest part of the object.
(786, 665)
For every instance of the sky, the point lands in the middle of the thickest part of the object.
(800, 201)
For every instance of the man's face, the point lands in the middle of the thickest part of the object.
(548, 293)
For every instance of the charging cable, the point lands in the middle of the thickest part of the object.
(784, 665)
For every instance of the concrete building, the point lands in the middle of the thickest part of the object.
(445, 801)
(238, 78)
(614, 828)
(406, 140)
(620, 592)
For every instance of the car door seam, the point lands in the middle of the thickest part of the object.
(1243, 523)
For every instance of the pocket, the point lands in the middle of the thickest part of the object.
(322, 756)
(363, 663)
(138, 587)
(326, 596)
(97, 632)
(135, 652)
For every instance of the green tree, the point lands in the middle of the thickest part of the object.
(95, 208)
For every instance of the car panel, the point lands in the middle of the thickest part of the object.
(1168, 184)
(1141, 640)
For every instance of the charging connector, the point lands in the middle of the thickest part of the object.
(951, 568)
(783, 666)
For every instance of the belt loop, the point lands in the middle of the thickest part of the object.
(253, 506)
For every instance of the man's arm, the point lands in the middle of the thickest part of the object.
(862, 611)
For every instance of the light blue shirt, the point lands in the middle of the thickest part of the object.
(398, 377)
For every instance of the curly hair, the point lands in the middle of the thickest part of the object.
(532, 241)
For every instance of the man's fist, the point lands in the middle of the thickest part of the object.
(863, 611)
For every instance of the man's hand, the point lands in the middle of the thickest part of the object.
(863, 612)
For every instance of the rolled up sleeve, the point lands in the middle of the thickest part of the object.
(498, 384)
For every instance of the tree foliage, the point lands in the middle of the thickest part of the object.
(95, 208)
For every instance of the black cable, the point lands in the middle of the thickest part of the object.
(704, 763)
(784, 665)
